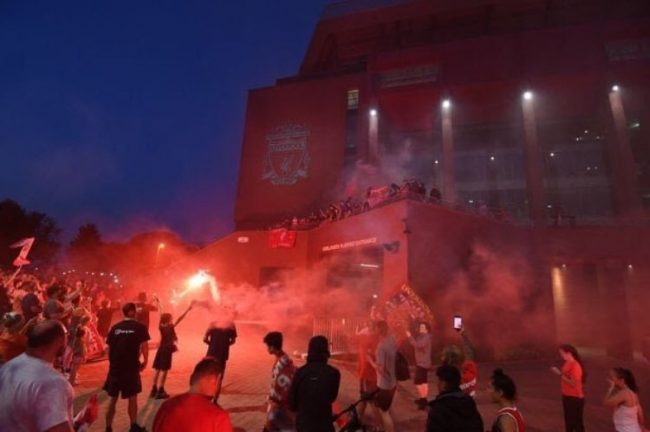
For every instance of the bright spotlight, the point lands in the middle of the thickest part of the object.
(528, 95)
(446, 104)
(615, 88)
(373, 112)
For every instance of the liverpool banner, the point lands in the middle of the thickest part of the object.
(282, 238)
(404, 307)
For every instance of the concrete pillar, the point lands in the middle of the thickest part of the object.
(448, 175)
(533, 155)
(627, 199)
(373, 135)
(614, 311)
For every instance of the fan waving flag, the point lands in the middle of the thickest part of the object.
(25, 245)
(404, 307)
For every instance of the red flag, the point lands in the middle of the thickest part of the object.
(26, 245)
(282, 238)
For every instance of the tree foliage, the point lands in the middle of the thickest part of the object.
(86, 249)
(17, 223)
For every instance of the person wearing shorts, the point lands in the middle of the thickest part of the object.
(126, 341)
(422, 346)
(384, 364)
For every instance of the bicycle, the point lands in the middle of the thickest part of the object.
(354, 424)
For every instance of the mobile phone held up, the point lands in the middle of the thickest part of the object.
(458, 322)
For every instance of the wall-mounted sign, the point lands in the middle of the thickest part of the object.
(287, 156)
(349, 244)
(409, 76)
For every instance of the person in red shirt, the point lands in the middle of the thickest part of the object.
(194, 411)
(367, 339)
(571, 384)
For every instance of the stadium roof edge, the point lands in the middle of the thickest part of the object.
(338, 8)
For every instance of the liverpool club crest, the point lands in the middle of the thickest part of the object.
(287, 159)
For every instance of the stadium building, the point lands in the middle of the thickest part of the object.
(531, 120)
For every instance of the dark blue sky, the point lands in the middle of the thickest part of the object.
(130, 113)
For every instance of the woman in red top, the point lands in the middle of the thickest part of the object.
(504, 394)
(571, 383)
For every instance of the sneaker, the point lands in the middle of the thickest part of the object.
(137, 428)
(154, 392)
(162, 394)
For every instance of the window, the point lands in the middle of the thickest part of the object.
(353, 99)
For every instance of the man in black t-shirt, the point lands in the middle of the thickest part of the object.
(143, 309)
(219, 338)
(126, 341)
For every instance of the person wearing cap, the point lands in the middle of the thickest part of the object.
(314, 389)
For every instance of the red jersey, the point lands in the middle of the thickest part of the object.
(572, 369)
(281, 378)
(191, 413)
(514, 414)
(468, 377)
(367, 342)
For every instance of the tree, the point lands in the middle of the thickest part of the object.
(16, 223)
(85, 250)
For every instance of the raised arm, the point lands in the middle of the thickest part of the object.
(180, 318)
(157, 306)
(468, 348)
(613, 398)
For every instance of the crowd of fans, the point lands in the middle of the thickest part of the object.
(379, 196)
(49, 328)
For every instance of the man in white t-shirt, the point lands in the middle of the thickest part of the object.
(35, 397)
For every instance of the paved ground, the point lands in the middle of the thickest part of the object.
(248, 372)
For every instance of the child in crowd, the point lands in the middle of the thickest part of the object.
(162, 363)
(79, 348)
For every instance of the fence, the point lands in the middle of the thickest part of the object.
(340, 332)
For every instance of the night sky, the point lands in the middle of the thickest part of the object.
(129, 114)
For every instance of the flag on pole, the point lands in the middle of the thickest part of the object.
(25, 245)
(404, 308)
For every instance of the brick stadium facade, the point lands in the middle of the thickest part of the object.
(536, 108)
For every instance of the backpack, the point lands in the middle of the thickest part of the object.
(402, 372)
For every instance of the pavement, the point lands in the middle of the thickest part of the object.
(247, 379)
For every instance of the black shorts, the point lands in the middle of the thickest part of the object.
(384, 398)
(127, 386)
(163, 359)
(421, 375)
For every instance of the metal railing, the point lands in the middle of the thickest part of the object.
(340, 332)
